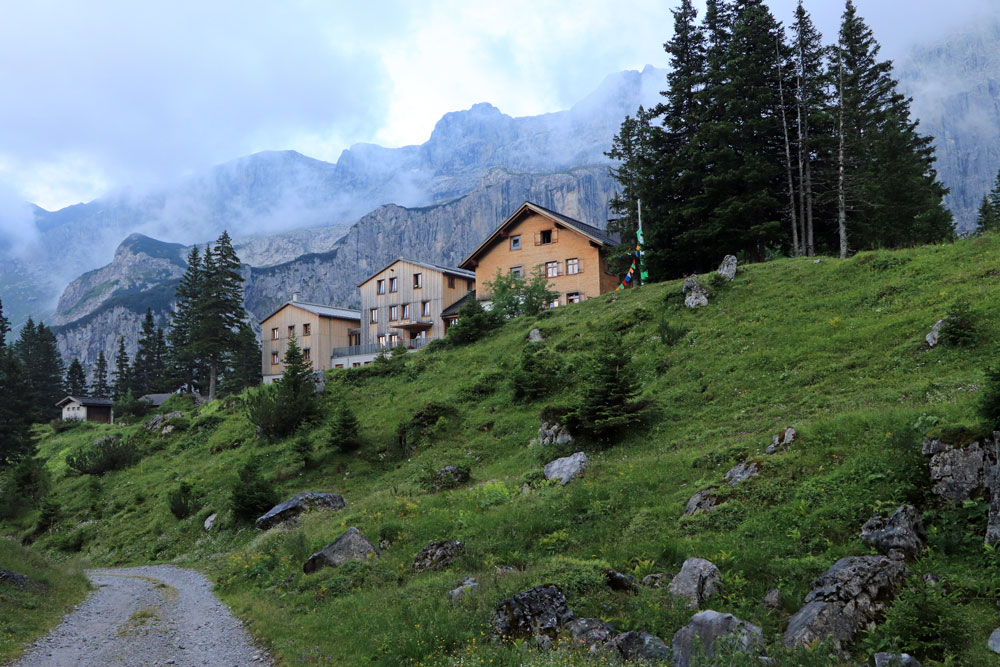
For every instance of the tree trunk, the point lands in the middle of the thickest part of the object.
(211, 382)
(805, 172)
(788, 153)
(841, 194)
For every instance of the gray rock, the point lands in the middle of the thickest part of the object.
(772, 599)
(781, 440)
(957, 474)
(210, 521)
(466, 587)
(297, 504)
(535, 336)
(450, 477)
(934, 337)
(7, 577)
(540, 611)
(566, 468)
(850, 596)
(554, 433)
(931, 579)
(709, 626)
(728, 267)
(702, 501)
(437, 556)
(351, 545)
(642, 647)
(895, 660)
(817, 261)
(168, 429)
(617, 581)
(656, 580)
(319, 382)
(903, 531)
(994, 643)
(993, 485)
(696, 298)
(698, 581)
(504, 570)
(590, 632)
(690, 284)
(157, 420)
(741, 473)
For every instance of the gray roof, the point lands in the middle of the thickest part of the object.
(321, 310)
(454, 308)
(451, 270)
(156, 399)
(94, 401)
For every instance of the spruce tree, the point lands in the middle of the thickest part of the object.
(144, 377)
(296, 387)
(16, 408)
(38, 352)
(4, 326)
(100, 387)
(219, 309)
(160, 357)
(76, 379)
(183, 363)
(243, 362)
(988, 219)
(609, 383)
(122, 375)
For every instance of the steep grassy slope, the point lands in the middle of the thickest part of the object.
(833, 348)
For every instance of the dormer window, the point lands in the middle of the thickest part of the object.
(515, 242)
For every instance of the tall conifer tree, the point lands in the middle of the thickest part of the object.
(122, 375)
(219, 308)
(100, 386)
(15, 402)
(183, 363)
(144, 378)
(37, 349)
(76, 379)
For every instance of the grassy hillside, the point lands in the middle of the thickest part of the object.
(833, 348)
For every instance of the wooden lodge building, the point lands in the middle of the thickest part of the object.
(86, 408)
(411, 303)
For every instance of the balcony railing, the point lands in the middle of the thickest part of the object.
(375, 348)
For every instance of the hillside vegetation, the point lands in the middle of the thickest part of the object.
(835, 349)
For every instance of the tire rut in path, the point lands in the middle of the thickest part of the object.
(144, 616)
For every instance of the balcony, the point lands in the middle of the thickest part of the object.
(375, 348)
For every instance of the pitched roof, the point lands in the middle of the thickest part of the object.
(156, 399)
(450, 270)
(91, 401)
(319, 309)
(455, 307)
(595, 234)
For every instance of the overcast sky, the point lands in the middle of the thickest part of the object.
(115, 94)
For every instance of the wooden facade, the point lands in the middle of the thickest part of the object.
(568, 252)
(318, 329)
(402, 303)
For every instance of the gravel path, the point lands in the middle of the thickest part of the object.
(152, 615)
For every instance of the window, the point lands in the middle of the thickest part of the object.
(306, 354)
(516, 272)
(573, 266)
(470, 285)
(339, 366)
(393, 313)
(393, 284)
(545, 237)
(572, 297)
(451, 282)
(425, 309)
(551, 269)
(291, 330)
(380, 287)
(306, 329)
(417, 281)
(354, 339)
(381, 341)
(274, 333)
(554, 303)
(406, 311)
(356, 364)
(393, 339)
(274, 358)
(374, 315)
(515, 242)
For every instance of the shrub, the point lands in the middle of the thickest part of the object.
(277, 411)
(989, 403)
(539, 372)
(61, 425)
(48, 516)
(130, 406)
(181, 501)
(608, 386)
(112, 452)
(412, 434)
(473, 323)
(669, 334)
(924, 621)
(490, 494)
(345, 432)
(959, 328)
(252, 495)
(513, 295)
(303, 448)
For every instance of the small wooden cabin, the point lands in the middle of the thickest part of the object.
(87, 408)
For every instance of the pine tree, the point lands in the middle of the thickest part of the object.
(38, 352)
(76, 379)
(100, 387)
(16, 408)
(345, 431)
(183, 363)
(989, 210)
(160, 358)
(610, 387)
(219, 309)
(243, 362)
(122, 375)
(144, 377)
(4, 327)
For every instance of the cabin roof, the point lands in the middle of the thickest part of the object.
(319, 309)
(453, 309)
(450, 270)
(89, 401)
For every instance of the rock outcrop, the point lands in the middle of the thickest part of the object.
(466, 587)
(540, 613)
(437, 556)
(351, 545)
(553, 432)
(695, 294)
(934, 337)
(19, 581)
(298, 504)
(450, 477)
(698, 581)
(590, 632)
(642, 647)
(958, 473)
(903, 531)
(781, 440)
(728, 268)
(566, 468)
(702, 501)
(741, 473)
(709, 626)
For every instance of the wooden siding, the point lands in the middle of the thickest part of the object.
(593, 278)
(434, 288)
(325, 334)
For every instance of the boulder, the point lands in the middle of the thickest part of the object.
(351, 545)
(903, 531)
(538, 612)
(656, 580)
(617, 581)
(210, 521)
(934, 337)
(895, 660)
(742, 472)
(157, 420)
(467, 586)
(590, 632)
(957, 474)
(690, 284)
(994, 643)
(698, 581)
(437, 556)
(696, 298)
(168, 429)
(993, 485)
(450, 477)
(319, 382)
(702, 501)
(708, 626)
(642, 647)
(566, 468)
(298, 504)
(728, 267)
(781, 440)
(849, 597)
(7, 577)
(535, 336)
(772, 599)
(554, 433)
